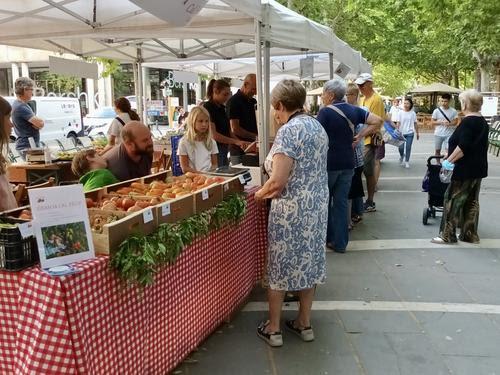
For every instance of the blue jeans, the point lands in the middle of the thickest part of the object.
(407, 145)
(339, 183)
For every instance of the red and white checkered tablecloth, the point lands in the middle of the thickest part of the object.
(89, 323)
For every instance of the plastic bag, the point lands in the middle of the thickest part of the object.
(392, 136)
(445, 175)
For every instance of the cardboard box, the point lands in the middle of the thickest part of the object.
(180, 208)
(207, 198)
(113, 234)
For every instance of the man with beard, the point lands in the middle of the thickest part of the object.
(133, 157)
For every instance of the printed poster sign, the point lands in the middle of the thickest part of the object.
(61, 225)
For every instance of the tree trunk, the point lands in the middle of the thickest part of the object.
(455, 79)
(477, 79)
(485, 79)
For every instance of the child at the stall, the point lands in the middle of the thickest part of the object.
(91, 168)
(197, 149)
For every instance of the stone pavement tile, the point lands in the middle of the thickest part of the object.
(329, 353)
(467, 365)
(391, 221)
(480, 261)
(414, 259)
(351, 263)
(235, 349)
(416, 356)
(483, 288)
(376, 353)
(378, 321)
(461, 334)
(360, 287)
(427, 285)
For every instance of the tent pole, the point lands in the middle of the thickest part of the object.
(260, 96)
(267, 99)
(138, 86)
(330, 64)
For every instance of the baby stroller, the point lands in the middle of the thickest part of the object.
(435, 189)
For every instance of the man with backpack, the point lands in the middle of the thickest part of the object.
(445, 119)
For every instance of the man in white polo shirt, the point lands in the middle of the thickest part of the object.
(445, 119)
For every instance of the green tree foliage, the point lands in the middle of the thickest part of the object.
(429, 40)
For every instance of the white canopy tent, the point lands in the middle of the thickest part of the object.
(119, 29)
(281, 66)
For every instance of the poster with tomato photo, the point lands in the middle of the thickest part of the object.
(61, 225)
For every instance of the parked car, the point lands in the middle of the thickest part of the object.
(62, 116)
(98, 122)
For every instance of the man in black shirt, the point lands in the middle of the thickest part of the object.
(241, 112)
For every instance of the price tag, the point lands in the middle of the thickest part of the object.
(225, 187)
(204, 194)
(165, 209)
(26, 229)
(147, 215)
(242, 179)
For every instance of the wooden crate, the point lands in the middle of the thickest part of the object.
(207, 198)
(180, 208)
(231, 186)
(113, 234)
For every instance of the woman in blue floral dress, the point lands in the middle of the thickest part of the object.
(298, 187)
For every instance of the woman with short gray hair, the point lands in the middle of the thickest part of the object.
(22, 84)
(468, 159)
(26, 124)
(298, 188)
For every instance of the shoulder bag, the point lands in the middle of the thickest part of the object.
(339, 111)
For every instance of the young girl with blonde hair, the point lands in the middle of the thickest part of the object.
(197, 149)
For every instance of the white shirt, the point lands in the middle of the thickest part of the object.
(407, 121)
(394, 111)
(116, 127)
(199, 157)
(443, 130)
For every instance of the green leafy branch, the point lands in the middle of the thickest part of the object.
(139, 257)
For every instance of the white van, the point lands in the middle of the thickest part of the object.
(62, 116)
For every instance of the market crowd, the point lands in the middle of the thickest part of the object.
(315, 167)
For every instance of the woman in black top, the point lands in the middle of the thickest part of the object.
(468, 151)
(218, 92)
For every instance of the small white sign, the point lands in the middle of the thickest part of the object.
(242, 179)
(490, 106)
(147, 215)
(174, 101)
(225, 186)
(165, 209)
(176, 12)
(306, 69)
(204, 194)
(32, 143)
(26, 229)
(61, 225)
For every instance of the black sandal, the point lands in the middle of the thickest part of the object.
(274, 339)
(306, 333)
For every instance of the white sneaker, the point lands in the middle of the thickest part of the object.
(401, 161)
(407, 165)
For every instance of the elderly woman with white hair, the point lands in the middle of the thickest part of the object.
(468, 158)
(298, 187)
(26, 124)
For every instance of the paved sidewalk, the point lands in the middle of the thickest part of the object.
(393, 304)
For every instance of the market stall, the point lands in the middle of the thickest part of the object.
(89, 322)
